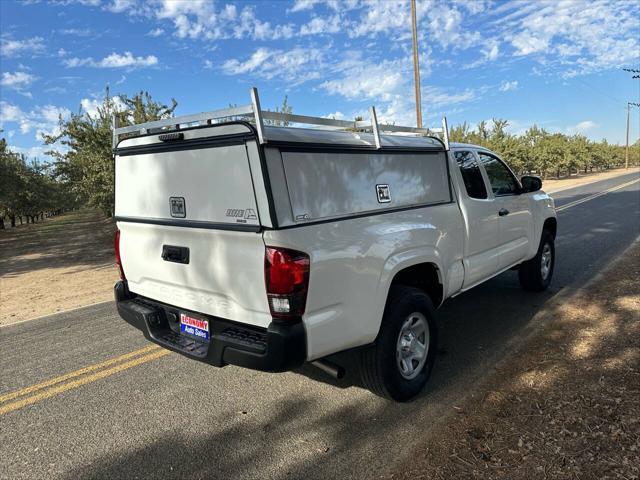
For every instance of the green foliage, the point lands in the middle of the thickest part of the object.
(27, 189)
(285, 108)
(544, 153)
(85, 162)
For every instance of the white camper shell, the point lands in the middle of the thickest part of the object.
(268, 246)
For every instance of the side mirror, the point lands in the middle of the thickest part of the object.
(531, 183)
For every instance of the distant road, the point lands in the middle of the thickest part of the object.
(82, 394)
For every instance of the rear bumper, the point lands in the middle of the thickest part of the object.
(278, 348)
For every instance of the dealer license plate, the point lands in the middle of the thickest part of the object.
(194, 326)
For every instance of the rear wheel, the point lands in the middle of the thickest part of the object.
(535, 274)
(399, 363)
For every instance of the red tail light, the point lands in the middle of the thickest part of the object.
(286, 274)
(117, 250)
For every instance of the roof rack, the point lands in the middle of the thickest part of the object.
(255, 114)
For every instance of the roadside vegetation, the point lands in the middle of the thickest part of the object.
(564, 405)
(80, 169)
(546, 154)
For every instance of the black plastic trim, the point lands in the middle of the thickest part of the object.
(282, 346)
(238, 227)
(197, 127)
(191, 144)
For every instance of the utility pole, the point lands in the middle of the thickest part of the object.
(416, 65)
(626, 154)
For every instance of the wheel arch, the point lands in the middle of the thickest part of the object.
(551, 224)
(425, 276)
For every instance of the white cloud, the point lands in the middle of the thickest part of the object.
(156, 32)
(17, 80)
(582, 127)
(90, 106)
(506, 86)
(16, 48)
(361, 80)
(115, 60)
(78, 32)
(296, 66)
(44, 120)
(208, 65)
(250, 25)
(9, 113)
(321, 25)
(301, 5)
(573, 38)
(118, 6)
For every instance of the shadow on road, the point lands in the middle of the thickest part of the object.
(475, 331)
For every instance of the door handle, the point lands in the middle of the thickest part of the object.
(503, 212)
(175, 254)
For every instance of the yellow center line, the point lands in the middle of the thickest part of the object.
(77, 373)
(55, 390)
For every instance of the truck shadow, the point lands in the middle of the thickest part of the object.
(306, 435)
(310, 433)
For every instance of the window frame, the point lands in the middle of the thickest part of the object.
(489, 153)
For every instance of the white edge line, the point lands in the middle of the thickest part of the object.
(575, 203)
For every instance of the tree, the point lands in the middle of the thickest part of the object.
(286, 109)
(86, 163)
(27, 188)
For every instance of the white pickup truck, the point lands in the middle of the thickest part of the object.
(267, 247)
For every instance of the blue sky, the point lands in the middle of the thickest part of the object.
(554, 63)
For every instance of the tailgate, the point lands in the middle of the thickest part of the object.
(194, 198)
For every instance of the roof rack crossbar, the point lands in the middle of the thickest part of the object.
(255, 114)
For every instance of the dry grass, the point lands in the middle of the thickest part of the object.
(61, 263)
(567, 405)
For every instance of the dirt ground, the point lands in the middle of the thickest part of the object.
(551, 186)
(565, 406)
(62, 263)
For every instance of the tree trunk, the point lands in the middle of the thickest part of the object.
(41, 215)
(20, 218)
(13, 221)
(1, 223)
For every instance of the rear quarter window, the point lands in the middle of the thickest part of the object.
(471, 175)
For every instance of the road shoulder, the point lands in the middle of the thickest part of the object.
(554, 186)
(566, 404)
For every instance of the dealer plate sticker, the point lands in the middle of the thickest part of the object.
(194, 326)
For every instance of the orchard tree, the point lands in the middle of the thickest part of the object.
(85, 163)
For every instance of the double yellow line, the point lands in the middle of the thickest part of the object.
(54, 386)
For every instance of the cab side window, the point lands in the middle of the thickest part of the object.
(471, 175)
(502, 180)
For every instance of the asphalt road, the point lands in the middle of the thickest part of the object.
(158, 415)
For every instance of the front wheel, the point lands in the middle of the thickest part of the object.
(535, 274)
(399, 363)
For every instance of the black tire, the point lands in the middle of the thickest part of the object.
(378, 365)
(530, 272)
